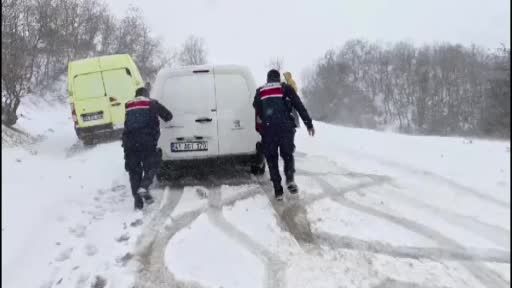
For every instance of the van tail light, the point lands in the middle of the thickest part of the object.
(73, 114)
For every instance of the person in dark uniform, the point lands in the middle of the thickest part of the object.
(274, 103)
(140, 138)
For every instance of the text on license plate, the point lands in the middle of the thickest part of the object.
(189, 146)
(92, 116)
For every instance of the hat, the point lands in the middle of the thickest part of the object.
(142, 92)
(273, 76)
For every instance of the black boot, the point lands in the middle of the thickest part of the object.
(258, 162)
(138, 203)
(278, 192)
(292, 187)
(144, 193)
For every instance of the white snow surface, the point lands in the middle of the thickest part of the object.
(68, 218)
(209, 260)
(63, 213)
(328, 216)
(256, 218)
(479, 164)
(193, 198)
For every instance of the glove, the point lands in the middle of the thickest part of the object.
(311, 131)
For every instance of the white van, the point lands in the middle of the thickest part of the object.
(212, 109)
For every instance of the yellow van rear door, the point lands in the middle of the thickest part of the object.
(120, 88)
(91, 103)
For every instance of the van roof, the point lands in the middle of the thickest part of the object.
(99, 63)
(225, 68)
(108, 62)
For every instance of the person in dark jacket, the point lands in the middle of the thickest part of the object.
(273, 102)
(140, 138)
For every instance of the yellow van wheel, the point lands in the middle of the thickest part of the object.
(87, 141)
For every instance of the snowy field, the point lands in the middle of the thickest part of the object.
(376, 209)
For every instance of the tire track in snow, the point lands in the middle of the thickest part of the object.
(482, 273)
(150, 250)
(486, 276)
(292, 217)
(431, 175)
(154, 273)
(495, 234)
(391, 283)
(274, 267)
(432, 253)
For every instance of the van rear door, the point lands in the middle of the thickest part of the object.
(235, 113)
(91, 104)
(192, 133)
(120, 87)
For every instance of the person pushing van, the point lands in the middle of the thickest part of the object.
(258, 166)
(140, 138)
(273, 102)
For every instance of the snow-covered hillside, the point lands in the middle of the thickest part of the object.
(376, 210)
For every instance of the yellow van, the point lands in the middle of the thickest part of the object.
(98, 89)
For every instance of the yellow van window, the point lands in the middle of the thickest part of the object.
(119, 84)
(88, 86)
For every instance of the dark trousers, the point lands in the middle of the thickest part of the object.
(142, 163)
(282, 139)
(260, 156)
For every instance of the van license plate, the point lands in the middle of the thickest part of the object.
(189, 146)
(92, 116)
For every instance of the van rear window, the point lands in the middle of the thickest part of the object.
(190, 94)
(88, 86)
(232, 93)
(115, 83)
(119, 84)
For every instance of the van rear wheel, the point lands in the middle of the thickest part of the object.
(87, 141)
(164, 172)
(258, 170)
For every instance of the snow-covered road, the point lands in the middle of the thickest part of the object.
(376, 210)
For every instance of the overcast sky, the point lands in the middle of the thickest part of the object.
(250, 32)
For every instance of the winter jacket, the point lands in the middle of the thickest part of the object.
(141, 125)
(274, 101)
(289, 80)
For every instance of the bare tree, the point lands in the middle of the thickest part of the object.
(275, 63)
(442, 89)
(19, 42)
(193, 52)
(40, 37)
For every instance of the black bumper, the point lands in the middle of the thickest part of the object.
(105, 130)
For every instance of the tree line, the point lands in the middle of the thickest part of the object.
(40, 37)
(440, 89)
